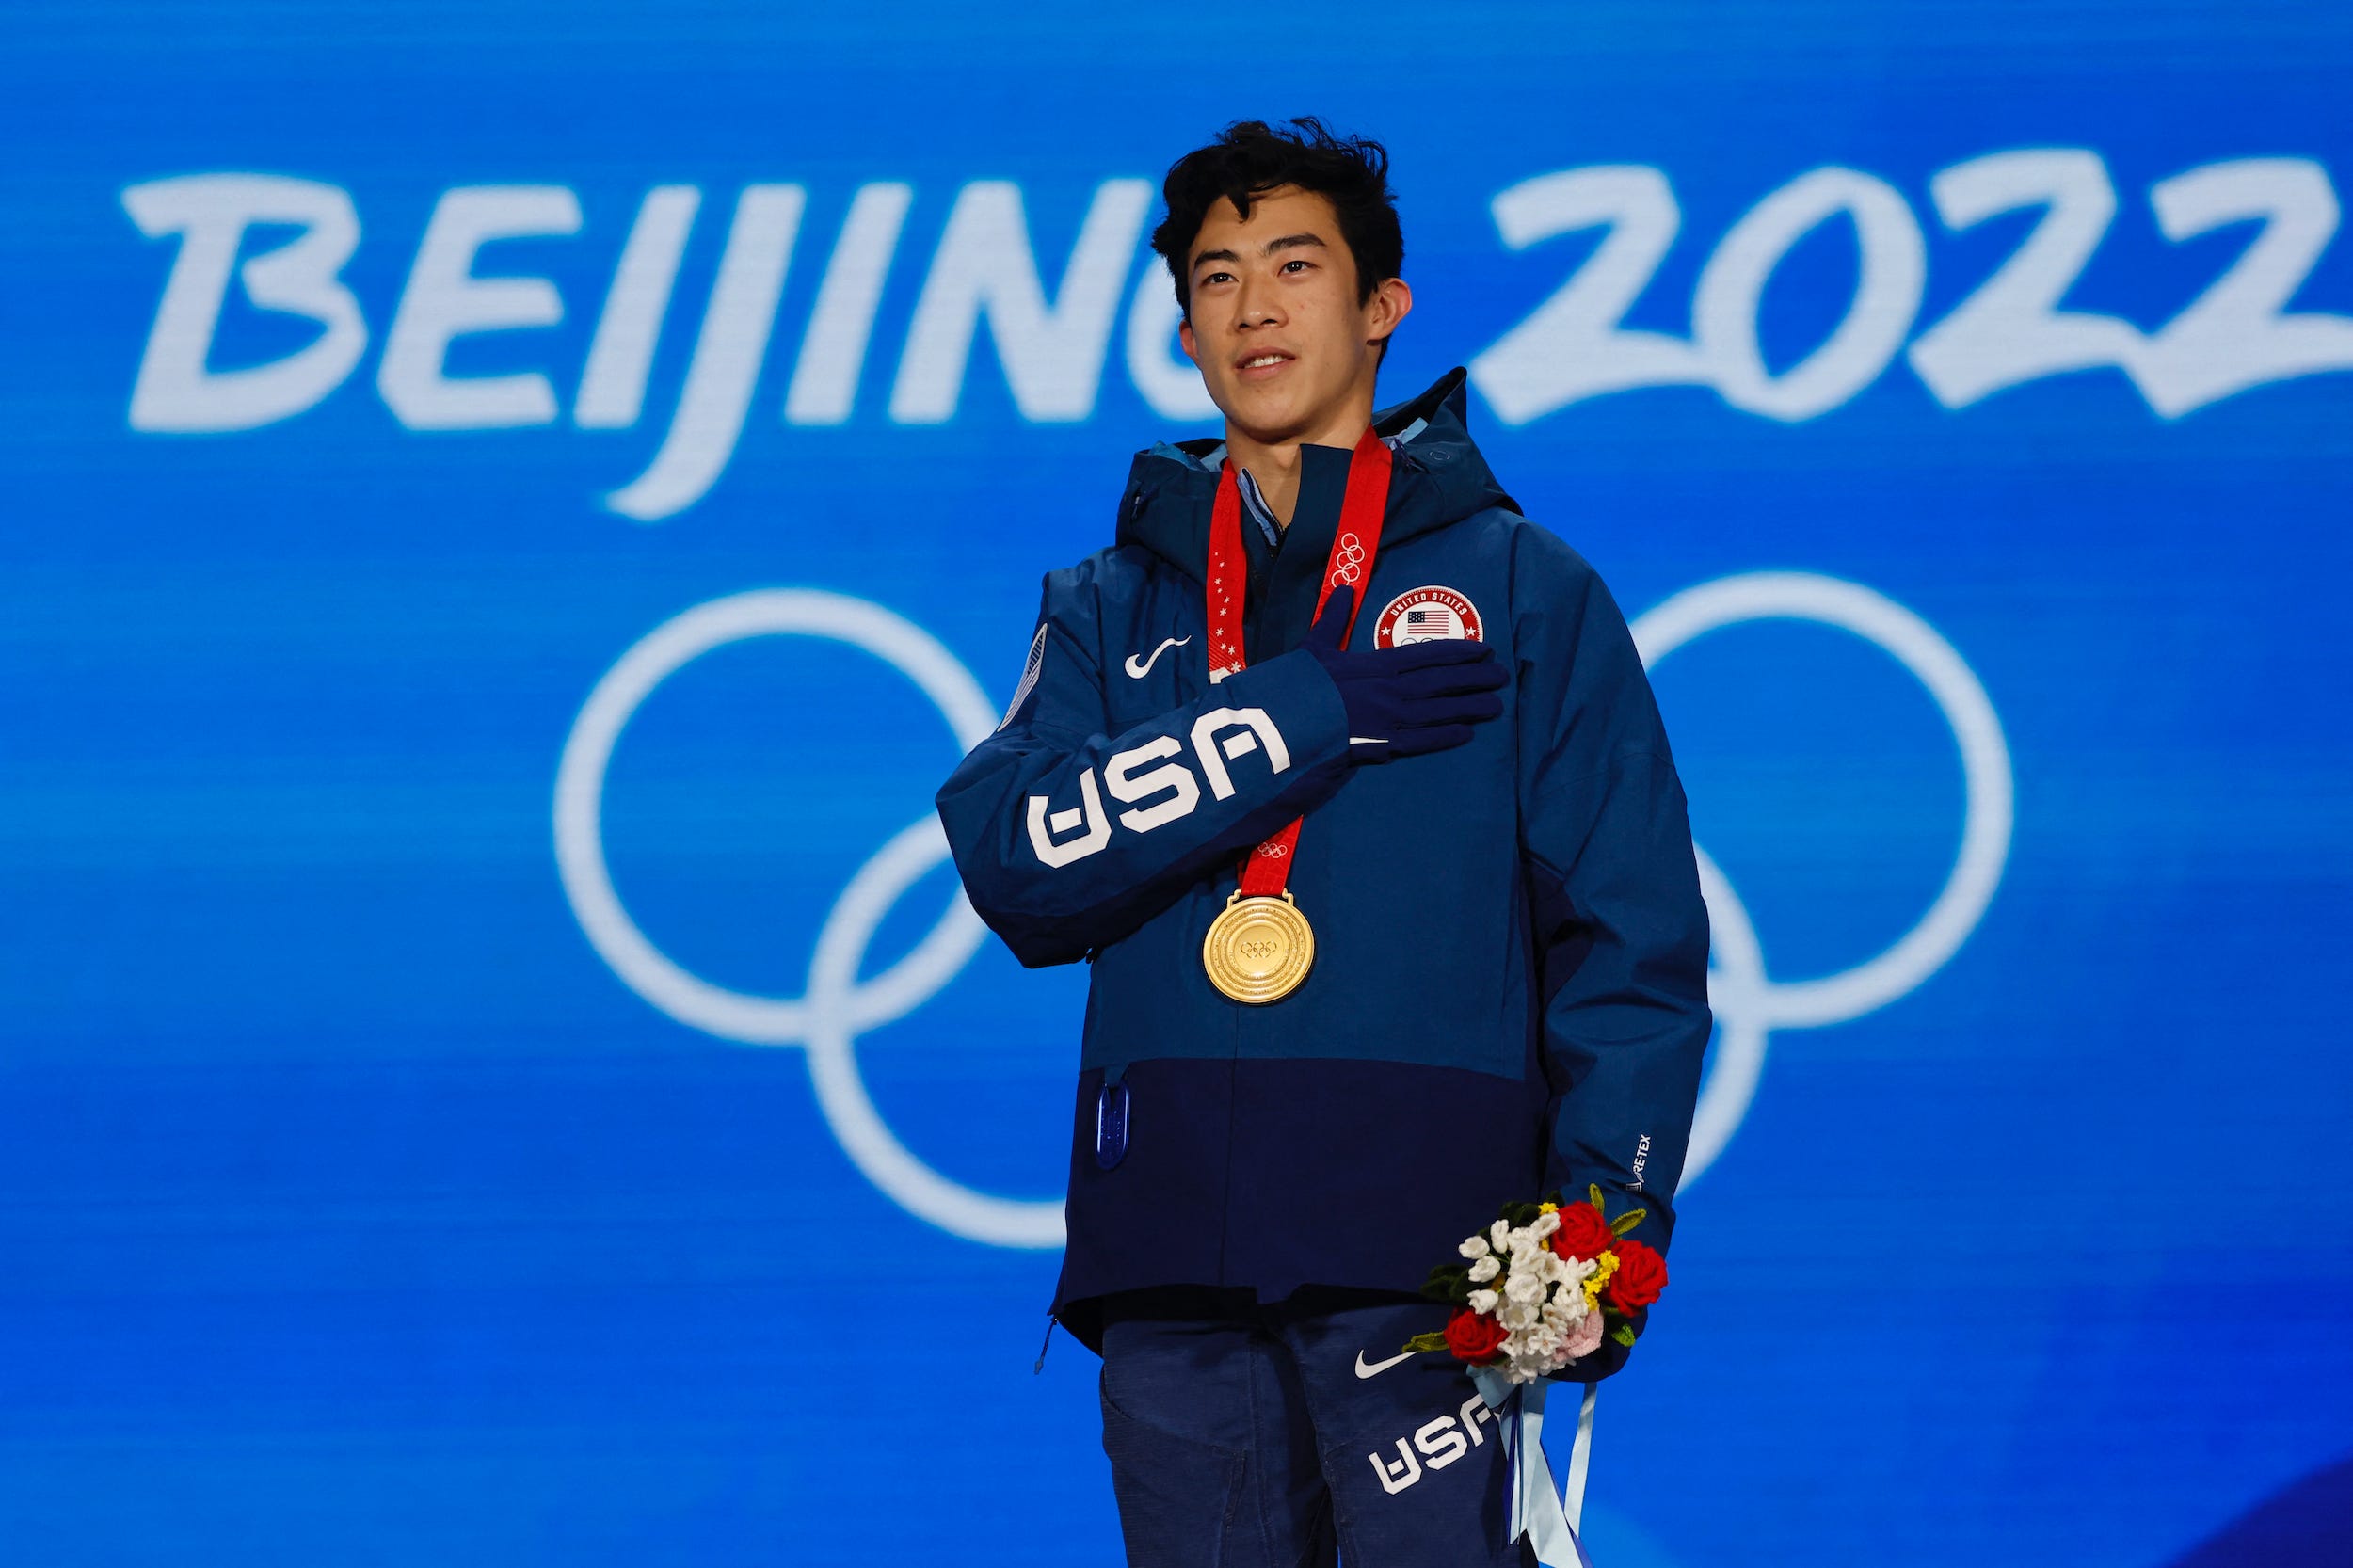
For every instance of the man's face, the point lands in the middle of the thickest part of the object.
(1284, 345)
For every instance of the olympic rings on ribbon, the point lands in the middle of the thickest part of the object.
(836, 1007)
(1350, 558)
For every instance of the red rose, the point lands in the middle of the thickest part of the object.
(1583, 1232)
(1641, 1275)
(1473, 1336)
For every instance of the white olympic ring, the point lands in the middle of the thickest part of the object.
(1749, 1004)
(836, 1006)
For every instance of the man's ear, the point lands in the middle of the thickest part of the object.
(1392, 301)
(1184, 338)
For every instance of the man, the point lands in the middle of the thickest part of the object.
(1388, 892)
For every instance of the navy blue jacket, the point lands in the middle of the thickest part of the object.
(1509, 992)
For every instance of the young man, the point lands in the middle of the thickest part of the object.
(1389, 896)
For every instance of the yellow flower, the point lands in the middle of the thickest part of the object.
(1604, 1266)
(1549, 1208)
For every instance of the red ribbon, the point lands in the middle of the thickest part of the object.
(1267, 868)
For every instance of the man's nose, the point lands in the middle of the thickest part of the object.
(1255, 307)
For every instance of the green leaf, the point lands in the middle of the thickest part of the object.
(1624, 1335)
(1593, 1191)
(1447, 1283)
(1422, 1343)
(1518, 1214)
(1628, 1221)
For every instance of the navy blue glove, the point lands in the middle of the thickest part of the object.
(1404, 701)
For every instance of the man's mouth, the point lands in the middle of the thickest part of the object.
(1261, 364)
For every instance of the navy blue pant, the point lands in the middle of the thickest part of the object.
(1291, 1433)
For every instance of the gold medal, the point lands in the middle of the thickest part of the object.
(1259, 948)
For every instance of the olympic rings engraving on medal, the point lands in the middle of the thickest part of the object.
(836, 1007)
(1748, 1004)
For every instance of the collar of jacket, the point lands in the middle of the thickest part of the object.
(1440, 479)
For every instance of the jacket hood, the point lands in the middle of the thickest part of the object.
(1440, 479)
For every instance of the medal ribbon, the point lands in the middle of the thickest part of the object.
(1354, 543)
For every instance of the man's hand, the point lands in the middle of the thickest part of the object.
(1405, 701)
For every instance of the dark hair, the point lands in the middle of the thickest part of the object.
(1250, 158)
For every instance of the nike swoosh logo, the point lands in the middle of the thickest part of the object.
(1379, 1367)
(1140, 670)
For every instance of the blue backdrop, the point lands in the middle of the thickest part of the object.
(486, 1079)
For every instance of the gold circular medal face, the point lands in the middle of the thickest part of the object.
(1259, 948)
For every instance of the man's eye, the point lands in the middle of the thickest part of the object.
(1294, 262)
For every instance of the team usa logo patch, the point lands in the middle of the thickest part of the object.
(1427, 615)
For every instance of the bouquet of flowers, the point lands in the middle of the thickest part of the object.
(1543, 1287)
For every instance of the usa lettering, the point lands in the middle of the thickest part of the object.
(1154, 781)
(1435, 1446)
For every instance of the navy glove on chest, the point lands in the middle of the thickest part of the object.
(1407, 700)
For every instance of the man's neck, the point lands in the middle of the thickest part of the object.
(1274, 464)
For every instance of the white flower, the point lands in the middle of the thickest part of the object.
(1486, 1269)
(1500, 1234)
(1476, 1247)
(1524, 1287)
(1482, 1301)
(1565, 1314)
(1545, 1224)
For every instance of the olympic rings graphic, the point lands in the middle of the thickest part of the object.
(1347, 561)
(836, 1007)
(1748, 1004)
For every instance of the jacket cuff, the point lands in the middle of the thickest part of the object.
(1657, 1225)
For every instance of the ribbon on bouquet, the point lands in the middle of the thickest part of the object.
(1539, 1511)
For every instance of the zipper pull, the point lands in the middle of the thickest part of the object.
(1044, 1345)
